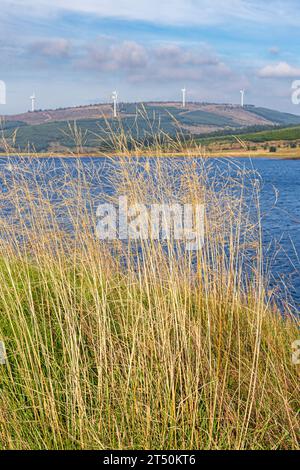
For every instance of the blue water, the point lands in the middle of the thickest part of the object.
(280, 207)
(279, 201)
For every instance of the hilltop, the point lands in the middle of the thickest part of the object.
(208, 116)
(50, 130)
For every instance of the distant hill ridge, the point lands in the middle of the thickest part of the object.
(194, 113)
(48, 129)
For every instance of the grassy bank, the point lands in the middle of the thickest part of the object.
(140, 345)
(281, 154)
(100, 360)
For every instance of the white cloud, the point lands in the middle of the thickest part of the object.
(176, 55)
(178, 12)
(279, 70)
(108, 56)
(155, 63)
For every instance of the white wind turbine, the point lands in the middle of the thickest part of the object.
(183, 90)
(33, 99)
(242, 92)
(115, 100)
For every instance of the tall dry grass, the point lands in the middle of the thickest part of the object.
(139, 345)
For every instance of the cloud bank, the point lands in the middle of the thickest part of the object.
(279, 70)
(178, 12)
(141, 62)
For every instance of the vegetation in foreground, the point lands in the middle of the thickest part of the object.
(139, 345)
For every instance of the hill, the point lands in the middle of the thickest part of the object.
(46, 130)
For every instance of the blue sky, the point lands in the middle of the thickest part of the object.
(74, 52)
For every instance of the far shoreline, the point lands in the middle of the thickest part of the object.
(287, 154)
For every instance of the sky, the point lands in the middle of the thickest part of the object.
(76, 52)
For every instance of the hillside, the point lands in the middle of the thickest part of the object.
(197, 114)
(54, 129)
(279, 142)
(288, 134)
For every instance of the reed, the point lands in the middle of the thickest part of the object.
(139, 345)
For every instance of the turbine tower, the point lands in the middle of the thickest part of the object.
(242, 97)
(183, 90)
(115, 100)
(33, 98)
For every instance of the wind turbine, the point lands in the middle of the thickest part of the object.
(32, 98)
(183, 90)
(242, 97)
(115, 100)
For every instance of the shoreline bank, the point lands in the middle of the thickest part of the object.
(284, 155)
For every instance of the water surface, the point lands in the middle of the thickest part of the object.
(280, 202)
